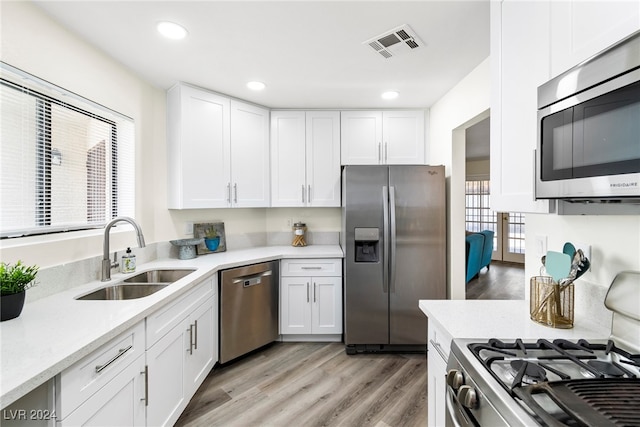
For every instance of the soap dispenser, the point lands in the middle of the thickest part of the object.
(128, 264)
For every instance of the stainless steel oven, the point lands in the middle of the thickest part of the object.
(544, 382)
(589, 129)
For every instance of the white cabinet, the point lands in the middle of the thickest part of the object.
(305, 156)
(179, 361)
(580, 29)
(198, 148)
(249, 181)
(514, 99)
(438, 349)
(311, 299)
(106, 387)
(382, 137)
(217, 151)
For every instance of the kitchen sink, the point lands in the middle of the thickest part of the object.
(159, 276)
(123, 291)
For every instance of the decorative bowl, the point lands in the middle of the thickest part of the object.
(187, 247)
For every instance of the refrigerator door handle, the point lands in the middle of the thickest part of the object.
(392, 252)
(385, 234)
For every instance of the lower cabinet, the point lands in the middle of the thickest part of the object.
(311, 300)
(437, 355)
(121, 384)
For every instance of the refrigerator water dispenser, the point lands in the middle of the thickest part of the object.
(367, 241)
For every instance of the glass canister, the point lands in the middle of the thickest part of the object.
(551, 304)
(299, 231)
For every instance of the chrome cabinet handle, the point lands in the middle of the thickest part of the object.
(438, 348)
(386, 152)
(235, 192)
(195, 326)
(302, 193)
(146, 385)
(307, 291)
(315, 286)
(190, 330)
(311, 268)
(309, 194)
(379, 152)
(121, 352)
(229, 192)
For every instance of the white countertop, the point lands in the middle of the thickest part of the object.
(502, 319)
(54, 332)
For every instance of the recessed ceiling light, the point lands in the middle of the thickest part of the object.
(171, 30)
(256, 85)
(390, 95)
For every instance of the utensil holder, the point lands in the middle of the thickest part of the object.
(551, 304)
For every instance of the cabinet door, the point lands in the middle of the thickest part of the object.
(326, 309)
(403, 137)
(249, 155)
(436, 388)
(198, 148)
(200, 359)
(166, 376)
(295, 305)
(361, 137)
(580, 29)
(514, 100)
(288, 183)
(323, 158)
(119, 403)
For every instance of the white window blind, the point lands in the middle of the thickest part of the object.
(66, 163)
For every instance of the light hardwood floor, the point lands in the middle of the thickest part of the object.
(313, 384)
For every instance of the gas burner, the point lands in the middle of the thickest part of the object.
(527, 372)
(606, 368)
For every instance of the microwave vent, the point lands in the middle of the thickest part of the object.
(395, 42)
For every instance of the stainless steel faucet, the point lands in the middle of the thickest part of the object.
(106, 262)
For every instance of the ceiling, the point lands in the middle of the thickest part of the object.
(310, 54)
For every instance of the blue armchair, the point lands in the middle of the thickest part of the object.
(474, 244)
(487, 248)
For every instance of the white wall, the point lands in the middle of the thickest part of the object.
(54, 54)
(34, 43)
(463, 106)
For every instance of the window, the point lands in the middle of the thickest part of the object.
(478, 214)
(66, 163)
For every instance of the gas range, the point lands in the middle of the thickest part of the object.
(552, 382)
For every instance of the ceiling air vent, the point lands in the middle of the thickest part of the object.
(395, 42)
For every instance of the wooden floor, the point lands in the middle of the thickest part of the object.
(318, 384)
(501, 281)
(313, 384)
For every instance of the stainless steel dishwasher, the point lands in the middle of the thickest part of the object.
(248, 308)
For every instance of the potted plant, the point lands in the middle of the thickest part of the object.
(15, 279)
(211, 239)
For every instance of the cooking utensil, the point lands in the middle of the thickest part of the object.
(558, 265)
(569, 249)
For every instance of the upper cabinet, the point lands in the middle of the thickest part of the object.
(519, 64)
(305, 156)
(382, 137)
(580, 29)
(218, 151)
(531, 42)
(249, 182)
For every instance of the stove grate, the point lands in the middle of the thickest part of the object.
(592, 402)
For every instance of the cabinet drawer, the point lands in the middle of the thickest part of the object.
(80, 381)
(439, 340)
(163, 320)
(311, 267)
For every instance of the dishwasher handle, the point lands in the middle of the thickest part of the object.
(252, 279)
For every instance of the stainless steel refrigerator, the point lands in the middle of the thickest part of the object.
(394, 239)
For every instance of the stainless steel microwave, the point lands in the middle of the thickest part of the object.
(589, 129)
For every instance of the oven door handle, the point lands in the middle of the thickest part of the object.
(455, 415)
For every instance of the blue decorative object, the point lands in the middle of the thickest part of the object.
(212, 244)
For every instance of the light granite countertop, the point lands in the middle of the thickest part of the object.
(54, 332)
(502, 319)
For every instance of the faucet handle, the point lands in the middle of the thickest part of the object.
(115, 263)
